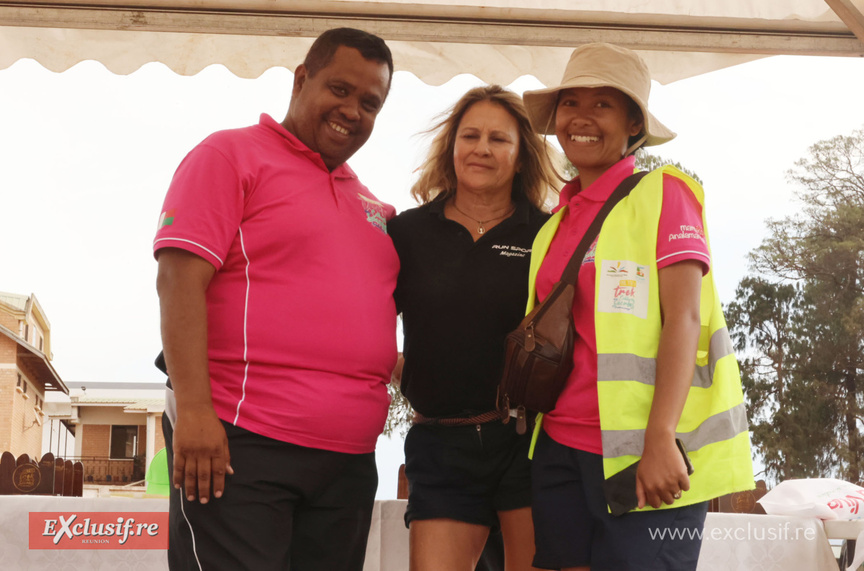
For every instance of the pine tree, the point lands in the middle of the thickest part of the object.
(821, 251)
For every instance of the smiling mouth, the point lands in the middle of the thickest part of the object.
(584, 139)
(338, 128)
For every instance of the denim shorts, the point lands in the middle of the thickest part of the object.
(573, 528)
(466, 473)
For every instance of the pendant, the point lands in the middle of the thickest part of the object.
(480, 229)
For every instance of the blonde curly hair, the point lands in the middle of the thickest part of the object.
(438, 174)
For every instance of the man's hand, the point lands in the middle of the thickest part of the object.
(201, 454)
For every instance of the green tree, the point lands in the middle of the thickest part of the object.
(821, 250)
(787, 410)
(400, 414)
(645, 161)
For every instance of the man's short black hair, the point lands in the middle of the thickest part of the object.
(324, 48)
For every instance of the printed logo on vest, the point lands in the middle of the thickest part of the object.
(376, 213)
(623, 288)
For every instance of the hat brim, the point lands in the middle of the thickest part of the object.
(540, 105)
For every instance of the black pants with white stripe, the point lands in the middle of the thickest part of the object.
(286, 507)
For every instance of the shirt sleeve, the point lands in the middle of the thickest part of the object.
(681, 234)
(203, 207)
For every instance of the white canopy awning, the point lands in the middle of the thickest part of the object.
(496, 40)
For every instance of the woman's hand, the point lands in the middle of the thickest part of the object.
(662, 473)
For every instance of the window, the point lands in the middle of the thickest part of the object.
(22, 386)
(124, 442)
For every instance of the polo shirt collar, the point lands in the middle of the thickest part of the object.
(602, 188)
(298, 147)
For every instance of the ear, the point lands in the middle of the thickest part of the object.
(300, 75)
(636, 127)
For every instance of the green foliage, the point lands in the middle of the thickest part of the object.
(645, 161)
(400, 414)
(766, 322)
(648, 162)
(803, 344)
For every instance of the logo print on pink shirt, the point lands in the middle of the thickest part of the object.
(375, 212)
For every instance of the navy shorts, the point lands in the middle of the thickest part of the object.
(572, 526)
(466, 473)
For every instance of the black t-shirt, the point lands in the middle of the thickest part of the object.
(459, 299)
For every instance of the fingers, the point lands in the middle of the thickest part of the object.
(219, 468)
(659, 494)
(189, 477)
(200, 478)
(179, 470)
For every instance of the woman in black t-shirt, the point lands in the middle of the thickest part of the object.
(462, 287)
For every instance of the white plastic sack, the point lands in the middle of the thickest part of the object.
(823, 498)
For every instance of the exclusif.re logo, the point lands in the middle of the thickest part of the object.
(98, 530)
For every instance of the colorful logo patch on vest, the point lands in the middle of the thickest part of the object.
(376, 213)
(623, 288)
(167, 218)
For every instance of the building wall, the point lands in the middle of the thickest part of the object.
(19, 434)
(160, 438)
(26, 427)
(96, 449)
(95, 439)
(109, 415)
(9, 321)
(26, 420)
(8, 377)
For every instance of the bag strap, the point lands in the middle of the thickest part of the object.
(572, 269)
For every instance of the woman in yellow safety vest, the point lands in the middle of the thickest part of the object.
(655, 389)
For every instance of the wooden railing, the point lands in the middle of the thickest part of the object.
(104, 471)
(49, 476)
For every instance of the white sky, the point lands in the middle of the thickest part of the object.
(86, 157)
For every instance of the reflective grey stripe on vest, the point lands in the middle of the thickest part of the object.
(629, 367)
(716, 428)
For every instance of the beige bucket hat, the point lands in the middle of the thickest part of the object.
(600, 65)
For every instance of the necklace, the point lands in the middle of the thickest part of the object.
(480, 223)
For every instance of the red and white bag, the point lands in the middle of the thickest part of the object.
(823, 498)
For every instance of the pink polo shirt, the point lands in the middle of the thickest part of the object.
(301, 318)
(575, 421)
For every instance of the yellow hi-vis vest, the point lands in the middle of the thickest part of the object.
(713, 424)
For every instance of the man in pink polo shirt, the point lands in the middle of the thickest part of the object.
(276, 279)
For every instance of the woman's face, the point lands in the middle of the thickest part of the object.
(486, 150)
(593, 125)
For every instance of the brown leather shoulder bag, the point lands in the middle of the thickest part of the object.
(539, 355)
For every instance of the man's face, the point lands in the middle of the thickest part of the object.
(334, 111)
